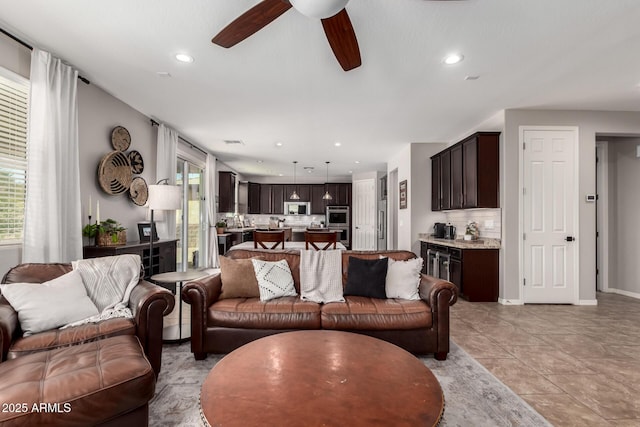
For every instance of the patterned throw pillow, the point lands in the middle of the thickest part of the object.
(274, 279)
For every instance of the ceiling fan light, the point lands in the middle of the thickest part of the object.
(319, 9)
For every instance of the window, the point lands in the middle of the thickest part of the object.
(14, 92)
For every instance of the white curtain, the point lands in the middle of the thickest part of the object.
(210, 200)
(166, 168)
(52, 223)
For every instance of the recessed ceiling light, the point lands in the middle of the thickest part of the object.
(259, 161)
(183, 57)
(278, 144)
(350, 171)
(453, 58)
(337, 143)
(357, 162)
(280, 174)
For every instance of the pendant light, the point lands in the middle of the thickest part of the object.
(294, 195)
(327, 196)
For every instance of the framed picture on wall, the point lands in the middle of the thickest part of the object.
(144, 231)
(403, 194)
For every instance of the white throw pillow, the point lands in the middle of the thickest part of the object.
(403, 279)
(49, 305)
(274, 279)
(321, 276)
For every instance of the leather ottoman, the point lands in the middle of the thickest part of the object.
(105, 382)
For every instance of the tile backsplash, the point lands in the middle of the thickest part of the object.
(489, 221)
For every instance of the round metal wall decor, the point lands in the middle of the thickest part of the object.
(114, 173)
(139, 191)
(120, 138)
(137, 164)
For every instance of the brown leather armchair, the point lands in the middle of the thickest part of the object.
(148, 303)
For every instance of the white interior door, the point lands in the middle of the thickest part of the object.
(549, 211)
(364, 214)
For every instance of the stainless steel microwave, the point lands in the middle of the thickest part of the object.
(297, 208)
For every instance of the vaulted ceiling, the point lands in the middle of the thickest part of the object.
(283, 84)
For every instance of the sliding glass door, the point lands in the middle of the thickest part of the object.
(190, 220)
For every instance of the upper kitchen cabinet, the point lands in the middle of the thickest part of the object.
(253, 205)
(340, 193)
(265, 199)
(277, 199)
(441, 181)
(317, 202)
(469, 177)
(226, 191)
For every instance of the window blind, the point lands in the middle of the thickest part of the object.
(14, 93)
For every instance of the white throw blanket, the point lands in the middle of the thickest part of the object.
(321, 276)
(109, 282)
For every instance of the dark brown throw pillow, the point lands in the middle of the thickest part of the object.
(238, 278)
(366, 277)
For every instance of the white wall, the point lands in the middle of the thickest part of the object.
(589, 124)
(624, 205)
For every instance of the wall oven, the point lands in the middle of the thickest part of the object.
(338, 219)
(337, 215)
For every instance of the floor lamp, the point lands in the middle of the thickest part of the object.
(162, 197)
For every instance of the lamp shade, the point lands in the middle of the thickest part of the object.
(320, 9)
(165, 197)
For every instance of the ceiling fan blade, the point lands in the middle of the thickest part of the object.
(251, 22)
(342, 40)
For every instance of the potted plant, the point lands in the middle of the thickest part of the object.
(221, 227)
(106, 233)
(472, 231)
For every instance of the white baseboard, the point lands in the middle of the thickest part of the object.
(504, 301)
(622, 292)
(588, 302)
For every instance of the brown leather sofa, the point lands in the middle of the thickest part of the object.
(148, 303)
(220, 326)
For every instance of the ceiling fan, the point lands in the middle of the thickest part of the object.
(335, 21)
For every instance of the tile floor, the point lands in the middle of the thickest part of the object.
(576, 365)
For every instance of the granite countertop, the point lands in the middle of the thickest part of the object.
(240, 230)
(482, 243)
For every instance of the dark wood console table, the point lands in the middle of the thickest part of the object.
(163, 259)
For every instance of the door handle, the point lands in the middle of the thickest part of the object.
(569, 238)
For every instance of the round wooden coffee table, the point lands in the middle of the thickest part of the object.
(321, 378)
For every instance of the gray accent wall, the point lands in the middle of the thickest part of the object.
(590, 124)
(624, 211)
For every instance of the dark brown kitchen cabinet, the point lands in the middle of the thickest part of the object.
(317, 202)
(441, 181)
(226, 192)
(467, 174)
(481, 177)
(265, 198)
(456, 174)
(478, 275)
(340, 193)
(436, 188)
(253, 198)
(277, 199)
